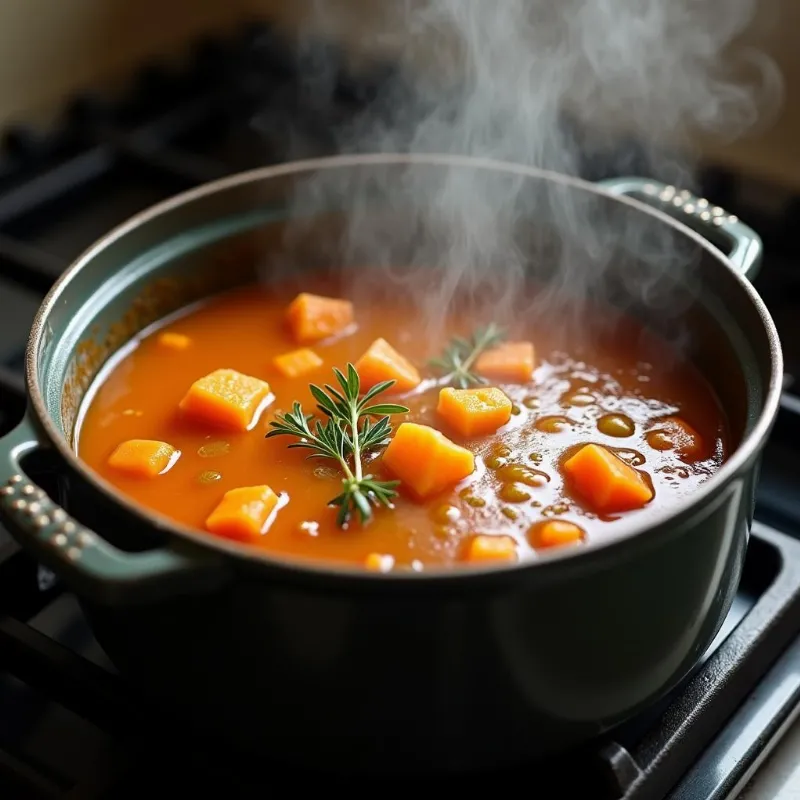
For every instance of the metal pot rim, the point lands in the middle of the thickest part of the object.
(679, 511)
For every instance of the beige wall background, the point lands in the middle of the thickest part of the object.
(49, 48)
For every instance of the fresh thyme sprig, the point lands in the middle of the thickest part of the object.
(346, 435)
(460, 355)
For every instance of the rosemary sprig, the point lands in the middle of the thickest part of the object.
(345, 436)
(460, 354)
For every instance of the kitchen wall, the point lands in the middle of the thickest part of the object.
(52, 47)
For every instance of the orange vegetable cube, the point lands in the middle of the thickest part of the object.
(379, 563)
(174, 341)
(425, 460)
(555, 533)
(383, 363)
(676, 434)
(143, 458)
(511, 361)
(474, 412)
(297, 362)
(484, 548)
(243, 514)
(226, 398)
(606, 481)
(311, 317)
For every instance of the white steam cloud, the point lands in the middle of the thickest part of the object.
(497, 80)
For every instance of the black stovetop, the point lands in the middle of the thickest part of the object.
(69, 727)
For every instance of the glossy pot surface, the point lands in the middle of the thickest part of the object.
(347, 669)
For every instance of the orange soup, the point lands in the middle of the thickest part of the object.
(493, 442)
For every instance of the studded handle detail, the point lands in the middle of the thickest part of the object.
(87, 563)
(740, 243)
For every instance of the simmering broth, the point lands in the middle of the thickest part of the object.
(614, 385)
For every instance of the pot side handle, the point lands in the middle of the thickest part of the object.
(740, 243)
(88, 564)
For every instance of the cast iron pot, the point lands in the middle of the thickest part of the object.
(410, 671)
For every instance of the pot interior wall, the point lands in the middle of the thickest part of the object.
(578, 245)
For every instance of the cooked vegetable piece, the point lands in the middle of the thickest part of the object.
(425, 460)
(378, 563)
(512, 361)
(474, 412)
(174, 341)
(606, 481)
(143, 458)
(312, 317)
(676, 434)
(244, 513)
(297, 362)
(381, 363)
(491, 548)
(226, 398)
(554, 533)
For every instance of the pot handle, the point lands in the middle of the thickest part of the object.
(740, 243)
(87, 563)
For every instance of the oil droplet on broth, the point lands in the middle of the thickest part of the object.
(553, 424)
(513, 493)
(518, 473)
(617, 425)
(445, 514)
(209, 476)
(214, 449)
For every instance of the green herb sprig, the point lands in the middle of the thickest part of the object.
(345, 436)
(461, 354)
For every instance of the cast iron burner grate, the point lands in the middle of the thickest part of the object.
(70, 727)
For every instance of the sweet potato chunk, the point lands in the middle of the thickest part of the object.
(606, 481)
(511, 361)
(554, 533)
(676, 434)
(226, 398)
(474, 412)
(174, 341)
(491, 548)
(297, 362)
(243, 514)
(312, 318)
(143, 458)
(382, 362)
(425, 460)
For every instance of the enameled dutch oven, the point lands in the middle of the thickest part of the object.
(407, 671)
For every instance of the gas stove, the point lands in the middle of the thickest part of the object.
(69, 725)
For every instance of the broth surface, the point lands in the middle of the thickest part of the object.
(618, 369)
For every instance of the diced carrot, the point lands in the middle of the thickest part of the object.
(606, 481)
(143, 458)
(243, 513)
(512, 361)
(474, 412)
(382, 362)
(555, 533)
(226, 398)
(311, 317)
(425, 460)
(676, 434)
(491, 548)
(174, 341)
(378, 563)
(297, 362)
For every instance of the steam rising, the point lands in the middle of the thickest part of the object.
(497, 80)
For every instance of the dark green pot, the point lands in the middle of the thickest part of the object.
(345, 668)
